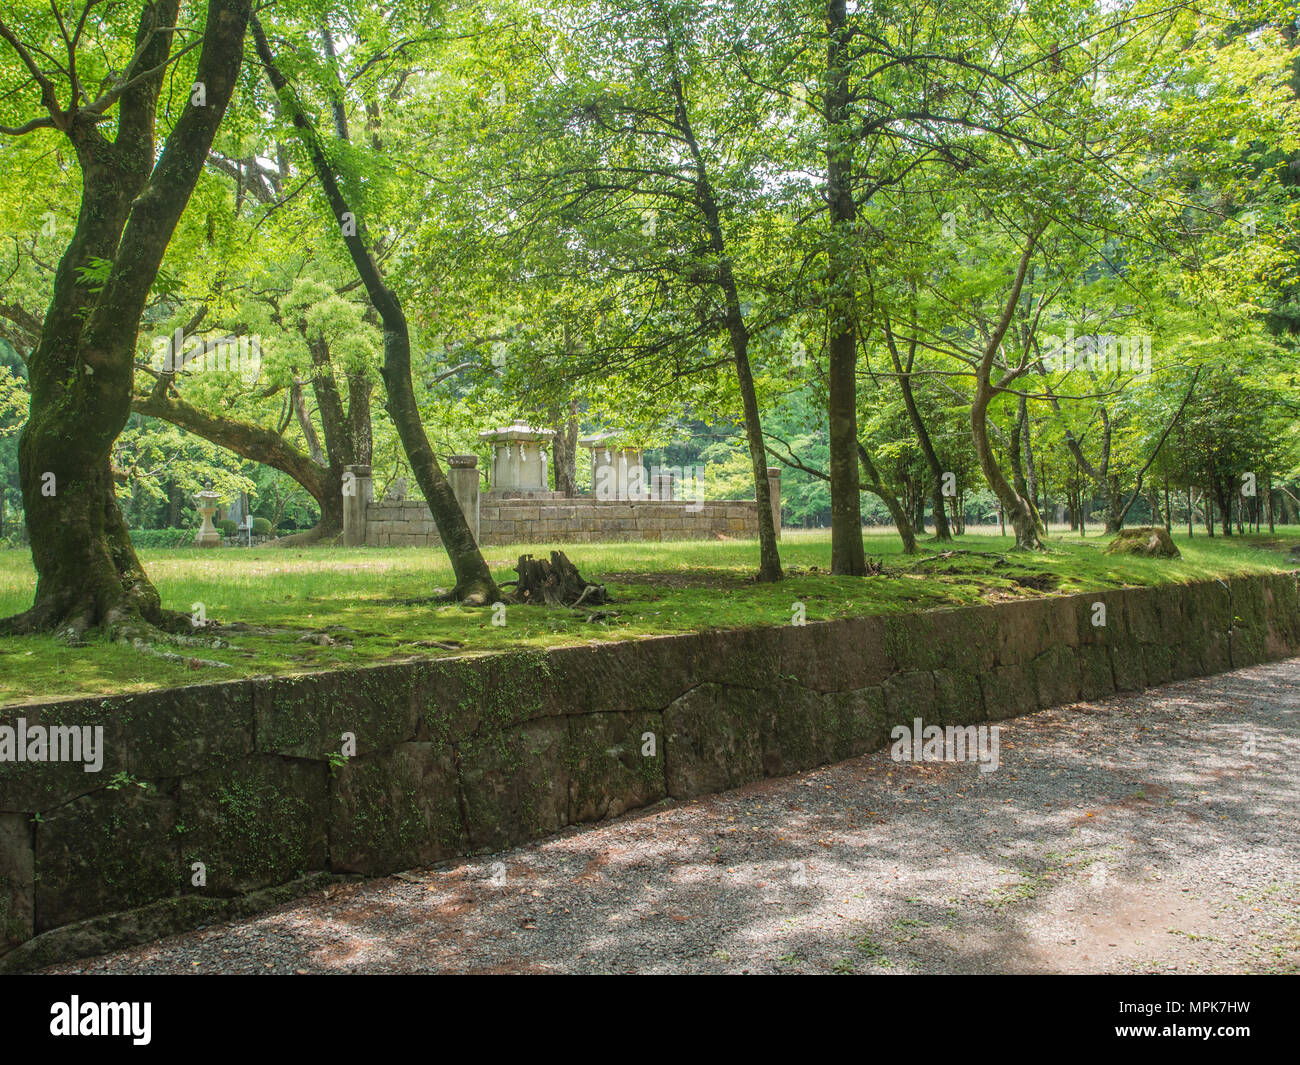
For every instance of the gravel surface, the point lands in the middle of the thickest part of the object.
(1151, 833)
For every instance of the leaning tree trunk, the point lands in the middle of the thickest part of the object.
(897, 511)
(769, 567)
(942, 529)
(474, 583)
(259, 444)
(1014, 506)
(1016, 456)
(769, 564)
(82, 369)
(348, 436)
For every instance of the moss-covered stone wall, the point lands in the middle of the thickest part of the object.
(215, 799)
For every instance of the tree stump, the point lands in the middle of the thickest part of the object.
(1153, 542)
(555, 583)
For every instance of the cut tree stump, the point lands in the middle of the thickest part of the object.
(555, 583)
(1153, 542)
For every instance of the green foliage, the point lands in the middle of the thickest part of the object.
(164, 538)
(523, 171)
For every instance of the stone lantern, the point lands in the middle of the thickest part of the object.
(616, 470)
(208, 534)
(518, 457)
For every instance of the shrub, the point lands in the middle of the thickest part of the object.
(261, 527)
(162, 537)
(228, 526)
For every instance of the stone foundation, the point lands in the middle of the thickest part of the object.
(539, 519)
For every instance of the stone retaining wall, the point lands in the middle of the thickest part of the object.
(577, 520)
(474, 753)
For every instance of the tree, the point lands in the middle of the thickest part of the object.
(82, 367)
(474, 583)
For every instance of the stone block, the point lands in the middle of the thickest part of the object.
(714, 740)
(609, 769)
(17, 881)
(395, 809)
(516, 783)
(306, 716)
(260, 821)
(113, 850)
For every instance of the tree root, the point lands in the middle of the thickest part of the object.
(945, 555)
(317, 534)
(146, 647)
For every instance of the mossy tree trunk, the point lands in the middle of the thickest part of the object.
(324, 481)
(82, 368)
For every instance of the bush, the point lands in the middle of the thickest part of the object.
(261, 527)
(228, 526)
(162, 537)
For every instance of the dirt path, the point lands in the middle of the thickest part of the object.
(1142, 834)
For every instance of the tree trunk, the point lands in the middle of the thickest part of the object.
(1013, 503)
(474, 583)
(847, 554)
(259, 444)
(1015, 454)
(942, 530)
(564, 449)
(360, 430)
(879, 489)
(82, 369)
(1031, 471)
(769, 566)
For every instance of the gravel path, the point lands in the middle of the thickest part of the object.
(1139, 834)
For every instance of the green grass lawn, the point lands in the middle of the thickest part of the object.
(363, 599)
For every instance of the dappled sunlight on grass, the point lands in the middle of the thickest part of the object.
(374, 604)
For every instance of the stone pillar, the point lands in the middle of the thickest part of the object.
(774, 489)
(634, 480)
(605, 482)
(463, 476)
(532, 470)
(358, 494)
(514, 462)
(661, 483)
